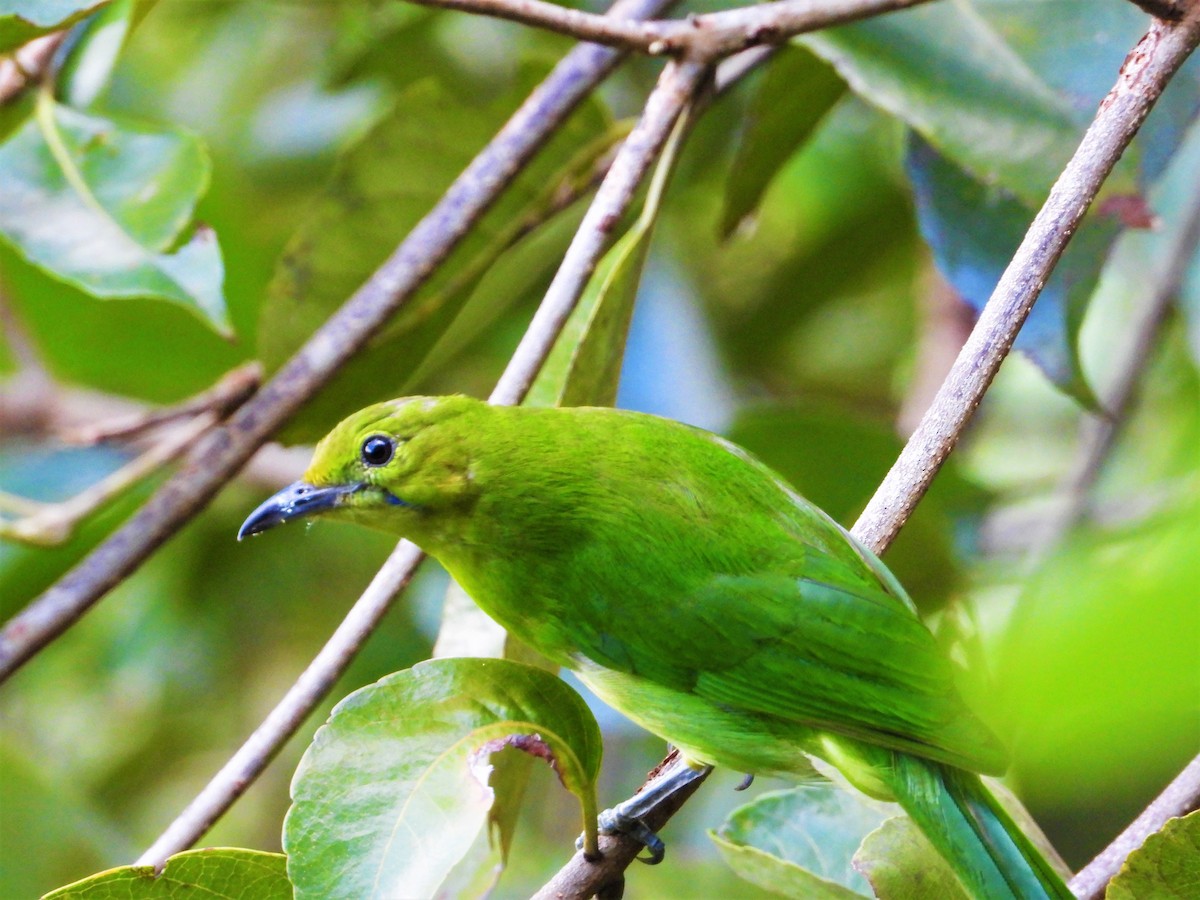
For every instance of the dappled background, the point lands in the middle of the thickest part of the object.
(804, 295)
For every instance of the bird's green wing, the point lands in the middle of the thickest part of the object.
(817, 648)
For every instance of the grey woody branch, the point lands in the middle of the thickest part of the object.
(704, 38)
(1180, 797)
(1145, 73)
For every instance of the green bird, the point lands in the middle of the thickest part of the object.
(693, 590)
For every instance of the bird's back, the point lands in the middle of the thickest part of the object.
(660, 560)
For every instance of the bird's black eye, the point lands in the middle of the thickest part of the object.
(377, 450)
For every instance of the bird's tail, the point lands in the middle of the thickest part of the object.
(990, 855)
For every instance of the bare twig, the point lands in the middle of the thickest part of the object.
(677, 85)
(27, 65)
(217, 457)
(704, 38)
(630, 165)
(1146, 72)
(50, 524)
(1180, 797)
(231, 390)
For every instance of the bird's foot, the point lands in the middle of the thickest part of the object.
(617, 821)
(629, 817)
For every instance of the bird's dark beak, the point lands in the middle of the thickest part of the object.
(295, 501)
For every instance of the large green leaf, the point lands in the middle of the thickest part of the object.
(1165, 867)
(106, 206)
(801, 837)
(23, 20)
(797, 90)
(380, 189)
(1097, 675)
(973, 231)
(901, 864)
(215, 874)
(942, 69)
(393, 790)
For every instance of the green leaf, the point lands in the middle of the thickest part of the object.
(803, 836)
(94, 52)
(1103, 694)
(215, 874)
(902, 865)
(974, 229)
(776, 875)
(393, 790)
(948, 74)
(1165, 867)
(380, 189)
(23, 20)
(106, 206)
(796, 92)
(584, 365)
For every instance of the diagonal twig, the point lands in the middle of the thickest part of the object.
(50, 524)
(1146, 72)
(217, 457)
(636, 155)
(1179, 798)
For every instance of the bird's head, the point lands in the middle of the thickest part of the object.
(385, 466)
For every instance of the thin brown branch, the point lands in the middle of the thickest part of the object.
(50, 524)
(1180, 797)
(704, 38)
(27, 65)
(217, 457)
(318, 679)
(1146, 72)
(676, 87)
(230, 391)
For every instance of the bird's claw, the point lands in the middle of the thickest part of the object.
(614, 821)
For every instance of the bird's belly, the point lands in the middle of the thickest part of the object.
(706, 733)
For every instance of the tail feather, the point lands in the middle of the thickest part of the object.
(990, 855)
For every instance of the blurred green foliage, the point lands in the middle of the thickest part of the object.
(785, 309)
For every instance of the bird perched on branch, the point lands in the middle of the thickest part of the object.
(691, 589)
